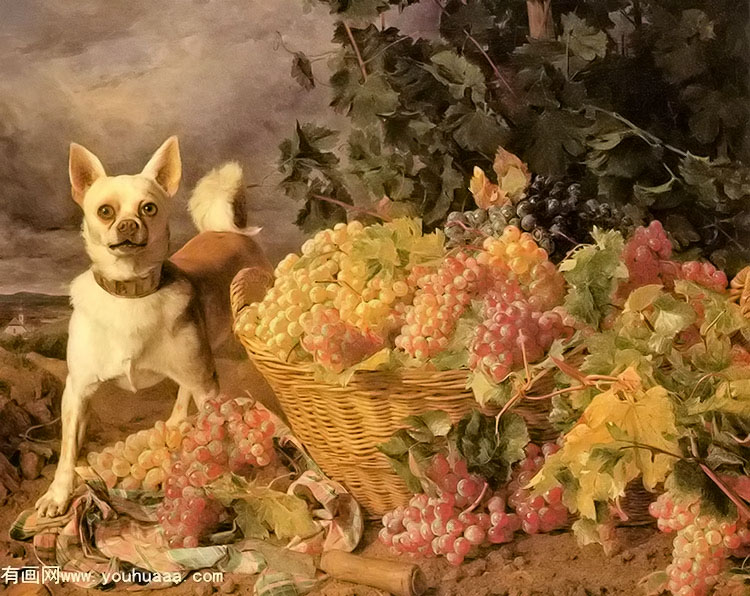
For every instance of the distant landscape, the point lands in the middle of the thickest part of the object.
(32, 322)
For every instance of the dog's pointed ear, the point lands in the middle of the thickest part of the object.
(165, 167)
(83, 167)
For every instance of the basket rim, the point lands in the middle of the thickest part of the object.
(407, 374)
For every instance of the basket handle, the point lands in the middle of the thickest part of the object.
(248, 286)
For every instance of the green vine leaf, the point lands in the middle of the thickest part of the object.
(584, 41)
(302, 71)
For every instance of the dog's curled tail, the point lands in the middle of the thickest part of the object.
(218, 201)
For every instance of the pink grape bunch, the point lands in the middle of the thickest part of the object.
(538, 513)
(334, 343)
(701, 545)
(512, 332)
(464, 514)
(441, 298)
(512, 266)
(703, 274)
(227, 437)
(647, 255)
(457, 520)
(644, 252)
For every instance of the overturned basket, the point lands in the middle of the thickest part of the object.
(342, 426)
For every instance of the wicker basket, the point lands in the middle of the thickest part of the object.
(342, 426)
(739, 290)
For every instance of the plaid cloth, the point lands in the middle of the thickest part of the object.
(108, 532)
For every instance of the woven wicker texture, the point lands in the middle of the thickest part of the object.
(635, 504)
(739, 290)
(341, 426)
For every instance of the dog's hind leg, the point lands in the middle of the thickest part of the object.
(74, 403)
(181, 406)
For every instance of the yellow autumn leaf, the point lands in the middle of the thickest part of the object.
(644, 417)
(512, 174)
(584, 463)
(514, 183)
(643, 297)
(485, 193)
(600, 452)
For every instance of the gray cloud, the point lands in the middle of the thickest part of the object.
(119, 77)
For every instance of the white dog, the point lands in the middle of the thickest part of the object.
(138, 317)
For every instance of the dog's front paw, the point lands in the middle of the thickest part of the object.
(55, 501)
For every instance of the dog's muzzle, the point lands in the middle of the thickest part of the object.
(131, 235)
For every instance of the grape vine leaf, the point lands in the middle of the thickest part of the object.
(592, 273)
(625, 432)
(555, 137)
(477, 130)
(681, 51)
(450, 181)
(712, 111)
(731, 397)
(248, 521)
(471, 18)
(437, 422)
(458, 74)
(373, 98)
(302, 71)
(490, 448)
(648, 195)
(689, 480)
(486, 391)
(585, 41)
(285, 515)
(513, 176)
(359, 11)
(645, 417)
(409, 449)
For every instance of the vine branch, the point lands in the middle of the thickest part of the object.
(349, 207)
(492, 64)
(356, 51)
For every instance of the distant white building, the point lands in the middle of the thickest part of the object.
(16, 326)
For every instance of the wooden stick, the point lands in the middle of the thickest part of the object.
(400, 579)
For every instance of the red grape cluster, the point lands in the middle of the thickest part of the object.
(510, 332)
(512, 267)
(703, 274)
(226, 437)
(451, 523)
(538, 513)
(701, 545)
(440, 300)
(644, 253)
(334, 343)
(647, 255)
(464, 514)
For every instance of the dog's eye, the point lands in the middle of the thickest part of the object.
(105, 212)
(149, 209)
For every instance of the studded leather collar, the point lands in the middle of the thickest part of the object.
(131, 288)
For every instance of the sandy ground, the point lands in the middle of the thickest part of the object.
(530, 566)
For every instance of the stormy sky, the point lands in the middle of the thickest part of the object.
(119, 78)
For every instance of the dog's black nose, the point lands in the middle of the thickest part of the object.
(128, 227)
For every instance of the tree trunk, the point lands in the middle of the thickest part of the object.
(541, 25)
